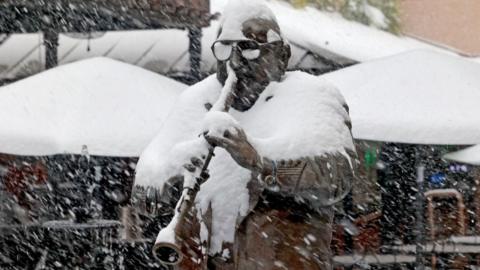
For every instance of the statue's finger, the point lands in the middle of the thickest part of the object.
(190, 167)
(203, 133)
(196, 161)
(215, 141)
(218, 141)
(240, 133)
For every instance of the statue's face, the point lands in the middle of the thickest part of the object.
(257, 60)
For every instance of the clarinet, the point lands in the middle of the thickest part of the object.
(168, 251)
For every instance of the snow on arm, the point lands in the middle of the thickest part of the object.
(178, 138)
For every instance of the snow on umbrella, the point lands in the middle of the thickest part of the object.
(470, 155)
(112, 108)
(418, 97)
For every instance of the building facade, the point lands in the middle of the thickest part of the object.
(454, 24)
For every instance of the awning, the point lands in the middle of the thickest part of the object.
(24, 16)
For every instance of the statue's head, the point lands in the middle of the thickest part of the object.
(250, 41)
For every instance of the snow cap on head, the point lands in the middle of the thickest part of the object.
(237, 12)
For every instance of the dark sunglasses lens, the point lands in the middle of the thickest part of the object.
(222, 51)
(248, 45)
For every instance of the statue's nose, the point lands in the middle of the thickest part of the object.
(236, 58)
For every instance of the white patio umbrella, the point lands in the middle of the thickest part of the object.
(418, 97)
(112, 108)
(470, 155)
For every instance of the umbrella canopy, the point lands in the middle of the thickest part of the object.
(470, 155)
(112, 108)
(418, 97)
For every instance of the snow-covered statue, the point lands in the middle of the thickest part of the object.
(283, 156)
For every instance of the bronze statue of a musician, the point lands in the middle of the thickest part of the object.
(283, 156)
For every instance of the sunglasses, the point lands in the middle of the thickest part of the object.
(249, 49)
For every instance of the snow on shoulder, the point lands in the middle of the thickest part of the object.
(301, 116)
(111, 107)
(419, 97)
(158, 160)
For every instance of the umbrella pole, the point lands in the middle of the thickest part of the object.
(419, 206)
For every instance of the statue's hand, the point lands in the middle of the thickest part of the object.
(235, 141)
(195, 164)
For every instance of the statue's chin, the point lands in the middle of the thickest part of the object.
(242, 105)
